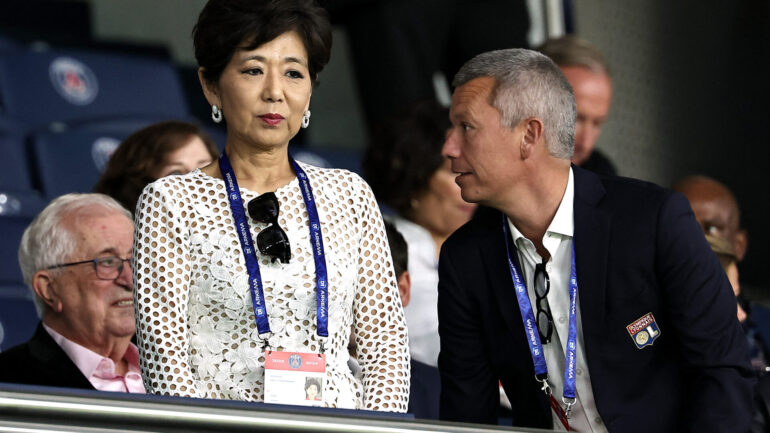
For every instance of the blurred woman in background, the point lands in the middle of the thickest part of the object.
(159, 150)
(407, 173)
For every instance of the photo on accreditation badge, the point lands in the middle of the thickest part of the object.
(313, 388)
(294, 378)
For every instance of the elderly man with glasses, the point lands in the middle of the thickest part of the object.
(75, 256)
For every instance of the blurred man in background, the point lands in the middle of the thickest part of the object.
(718, 214)
(589, 76)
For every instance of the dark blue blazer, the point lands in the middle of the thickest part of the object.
(41, 361)
(638, 250)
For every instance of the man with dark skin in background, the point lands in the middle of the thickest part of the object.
(715, 209)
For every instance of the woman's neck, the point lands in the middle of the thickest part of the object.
(260, 171)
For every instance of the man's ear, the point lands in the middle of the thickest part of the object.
(210, 90)
(405, 287)
(533, 133)
(741, 243)
(43, 285)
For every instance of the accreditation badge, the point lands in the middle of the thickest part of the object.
(295, 378)
(644, 331)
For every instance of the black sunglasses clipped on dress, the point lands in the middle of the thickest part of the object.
(271, 241)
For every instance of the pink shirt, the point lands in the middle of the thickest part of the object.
(99, 370)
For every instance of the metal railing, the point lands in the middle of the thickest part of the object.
(43, 409)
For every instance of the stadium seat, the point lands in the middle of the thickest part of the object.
(10, 126)
(17, 194)
(71, 86)
(218, 134)
(8, 45)
(18, 317)
(13, 165)
(11, 229)
(71, 159)
(329, 158)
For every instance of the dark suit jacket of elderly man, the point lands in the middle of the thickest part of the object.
(638, 250)
(40, 361)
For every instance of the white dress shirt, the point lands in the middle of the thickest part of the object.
(422, 312)
(558, 241)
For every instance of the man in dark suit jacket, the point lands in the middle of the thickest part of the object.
(74, 258)
(40, 361)
(655, 343)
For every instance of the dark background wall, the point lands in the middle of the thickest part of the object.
(692, 92)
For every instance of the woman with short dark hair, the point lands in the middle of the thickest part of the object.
(260, 262)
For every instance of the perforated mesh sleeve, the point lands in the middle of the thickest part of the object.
(195, 324)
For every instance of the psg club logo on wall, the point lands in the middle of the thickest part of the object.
(73, 80)
(102, 149)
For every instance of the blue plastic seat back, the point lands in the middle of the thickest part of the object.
(11, 126)
(329, 158)
(11, 229)
(18, 317)
(71, 160)
(8, 45)
(219, 135)
(69, 86)
(14, 169)
(17, 193)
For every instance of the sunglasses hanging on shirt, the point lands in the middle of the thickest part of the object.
(271, 241)
(544, 317)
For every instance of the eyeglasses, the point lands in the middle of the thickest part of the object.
(544, 318)
(107, 268)
(271, 241)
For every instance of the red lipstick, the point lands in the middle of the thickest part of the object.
(271, 119)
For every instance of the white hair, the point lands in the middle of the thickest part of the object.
(48, 242)
(528, 83)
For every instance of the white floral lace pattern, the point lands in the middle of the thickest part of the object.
(195, 324)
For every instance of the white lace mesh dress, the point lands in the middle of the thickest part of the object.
(195, 323)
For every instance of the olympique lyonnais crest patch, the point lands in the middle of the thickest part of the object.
(73, 80)
(644, 331)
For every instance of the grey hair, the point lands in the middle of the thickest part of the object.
(570, 50)
(47, 242)
(528, 84)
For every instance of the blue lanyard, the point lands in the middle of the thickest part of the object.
(250, 252)
(530, 326)
(321, 285)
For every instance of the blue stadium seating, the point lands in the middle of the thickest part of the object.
(329, 158)
(218, 134)
(11, 229)
(8, 45)
(18, 317)
(10, 126)
(70, 86)
(71, 159)
(17, 194)
(13, 165)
